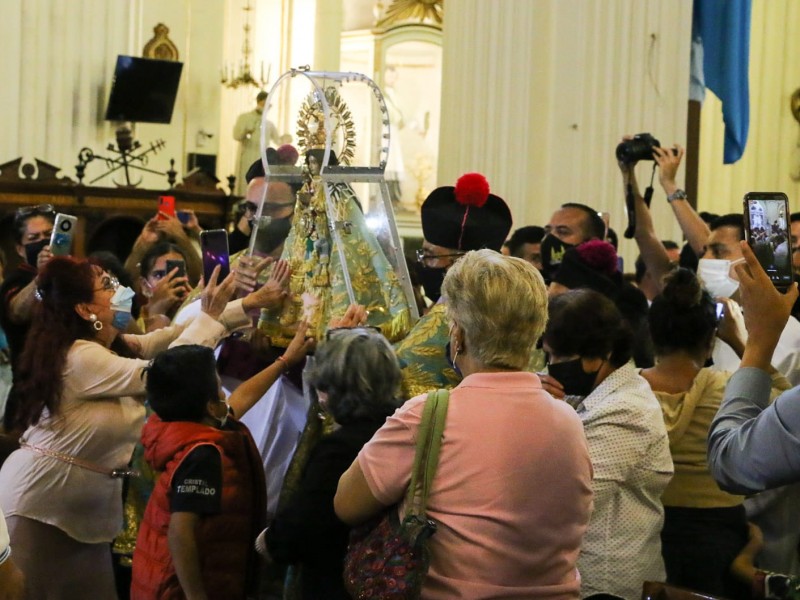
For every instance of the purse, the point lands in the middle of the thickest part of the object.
(390, 559)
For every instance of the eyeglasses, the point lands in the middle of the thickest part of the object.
(422, 256)
(31, 211)
(337, 330)
(108, 283)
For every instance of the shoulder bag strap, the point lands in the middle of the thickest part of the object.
(426, 457)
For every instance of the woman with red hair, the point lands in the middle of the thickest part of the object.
(81, 391)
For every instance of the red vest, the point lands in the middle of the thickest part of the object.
(228, 562)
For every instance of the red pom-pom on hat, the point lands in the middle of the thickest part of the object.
(472, 189)
(599, 255)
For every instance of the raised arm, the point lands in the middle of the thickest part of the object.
(653, 253)
(694, 228)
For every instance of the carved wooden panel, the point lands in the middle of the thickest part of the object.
(160, 46)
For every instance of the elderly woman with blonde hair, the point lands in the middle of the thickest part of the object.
(512, 493)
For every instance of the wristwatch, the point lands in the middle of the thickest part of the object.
(677, 195)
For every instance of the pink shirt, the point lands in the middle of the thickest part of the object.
(512, 494)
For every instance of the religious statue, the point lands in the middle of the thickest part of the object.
(329, 234)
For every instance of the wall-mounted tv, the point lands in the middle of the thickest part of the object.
(143, 90)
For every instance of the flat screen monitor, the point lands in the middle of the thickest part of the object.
(143, 90)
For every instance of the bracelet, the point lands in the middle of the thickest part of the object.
(677, 195)
(286, 365)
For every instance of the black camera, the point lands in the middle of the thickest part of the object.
(65, 225)
(640, 147)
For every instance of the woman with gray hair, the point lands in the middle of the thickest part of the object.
(512, 492)
(357, 378)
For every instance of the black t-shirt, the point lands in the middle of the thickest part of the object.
(197, 482)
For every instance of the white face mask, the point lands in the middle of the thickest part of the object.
(224, 420)
(714, 273)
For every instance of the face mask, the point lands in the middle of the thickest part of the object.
(121, 304)
(571, 375)
(32, 251)
(431, 280)
(553, 250)
(121, 320)
(122, 300)
(224, 420)
(272, 234)
(714, 273)
(450, 361)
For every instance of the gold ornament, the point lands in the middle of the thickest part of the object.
(311, 132)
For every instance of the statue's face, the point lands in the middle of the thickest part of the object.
(313, 165)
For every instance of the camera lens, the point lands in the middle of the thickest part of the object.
(66, 225)
(640, 147)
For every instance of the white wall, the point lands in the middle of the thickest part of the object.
(59, 57)
(536, 94)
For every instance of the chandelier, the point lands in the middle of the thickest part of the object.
(230, 76)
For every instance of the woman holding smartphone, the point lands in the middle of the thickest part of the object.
(164, 283)
(81, 407)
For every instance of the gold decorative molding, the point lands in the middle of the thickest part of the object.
(400, 12)
(160, 47)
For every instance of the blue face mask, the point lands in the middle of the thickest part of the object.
(121, 320)
(121, 304)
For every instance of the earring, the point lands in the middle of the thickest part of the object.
(455, 356)
(95, 323)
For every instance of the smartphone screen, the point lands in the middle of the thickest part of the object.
(766, 216)
(63, 233)
(166, 205)
(214, 244)
(181, 266)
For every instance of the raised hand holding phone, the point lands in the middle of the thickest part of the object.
(216, 296)
(214, 245)
(766, 310)
(63, 234)
(766, 218)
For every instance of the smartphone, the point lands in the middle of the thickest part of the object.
(183, 216)
(766, 220)
(166, 205)
(720, 311)
(181, 266)
(63, 233)
(214, 245)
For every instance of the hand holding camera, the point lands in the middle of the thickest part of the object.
(668, 164)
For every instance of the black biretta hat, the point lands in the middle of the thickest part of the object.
(466, 217)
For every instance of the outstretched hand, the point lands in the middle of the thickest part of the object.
(355, 316)
(248, 270)
(299, 346)
(215, 296)
(274, 291)
(766, 310)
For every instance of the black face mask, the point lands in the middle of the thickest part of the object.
(272, 234)
(571, 375)
(32, 251)
(431, 280)
(553, 250)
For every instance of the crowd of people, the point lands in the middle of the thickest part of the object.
(168, 437)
